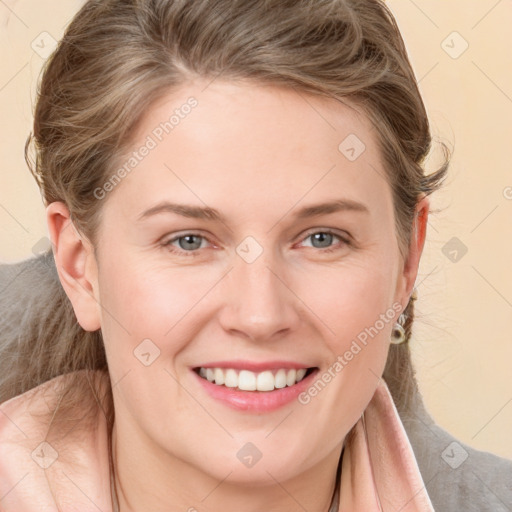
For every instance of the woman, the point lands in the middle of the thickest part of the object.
(237, 207)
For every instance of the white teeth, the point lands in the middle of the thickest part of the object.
(219, 376)
(246, 380)
(231, 379)
(290, 377)
(265, 381)
(280, 379)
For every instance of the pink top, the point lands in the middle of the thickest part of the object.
(379, 471)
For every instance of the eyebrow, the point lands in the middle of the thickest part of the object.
(207, 213)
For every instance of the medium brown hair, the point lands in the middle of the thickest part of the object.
(117, 57)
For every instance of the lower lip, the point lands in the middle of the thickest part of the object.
(256, 401)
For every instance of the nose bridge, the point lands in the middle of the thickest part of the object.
(261, 304)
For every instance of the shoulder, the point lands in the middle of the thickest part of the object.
(27, 414)
(17, 415)
(41, 267)
(37, 464)
(457, 476)
(22, 452)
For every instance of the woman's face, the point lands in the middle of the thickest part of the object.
(254, 234)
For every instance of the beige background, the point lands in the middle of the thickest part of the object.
(462, 340)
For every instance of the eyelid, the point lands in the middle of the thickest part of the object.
(182, 234)
(166, 243)
(342, 235)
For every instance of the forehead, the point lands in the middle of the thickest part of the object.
(260, 145)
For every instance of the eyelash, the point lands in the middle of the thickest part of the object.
(195, 252)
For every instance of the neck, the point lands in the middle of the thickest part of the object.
(144, 483)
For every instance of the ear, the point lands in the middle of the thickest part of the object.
(76, 265)
(418, 235)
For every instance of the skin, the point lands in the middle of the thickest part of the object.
(257, 154)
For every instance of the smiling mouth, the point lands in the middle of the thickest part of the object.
(245, 380)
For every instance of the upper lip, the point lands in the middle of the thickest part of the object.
(255, 366)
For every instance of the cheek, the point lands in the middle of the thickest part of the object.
(357, 357)
(355, 309)
(148, 298)
(142, 302)
(353, 302)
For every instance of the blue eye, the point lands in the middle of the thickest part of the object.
(325, 239)
(189, 244)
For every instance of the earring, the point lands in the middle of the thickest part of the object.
(398, 335)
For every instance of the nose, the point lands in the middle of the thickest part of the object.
(260, 305)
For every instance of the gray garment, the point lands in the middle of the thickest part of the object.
(457, 477)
